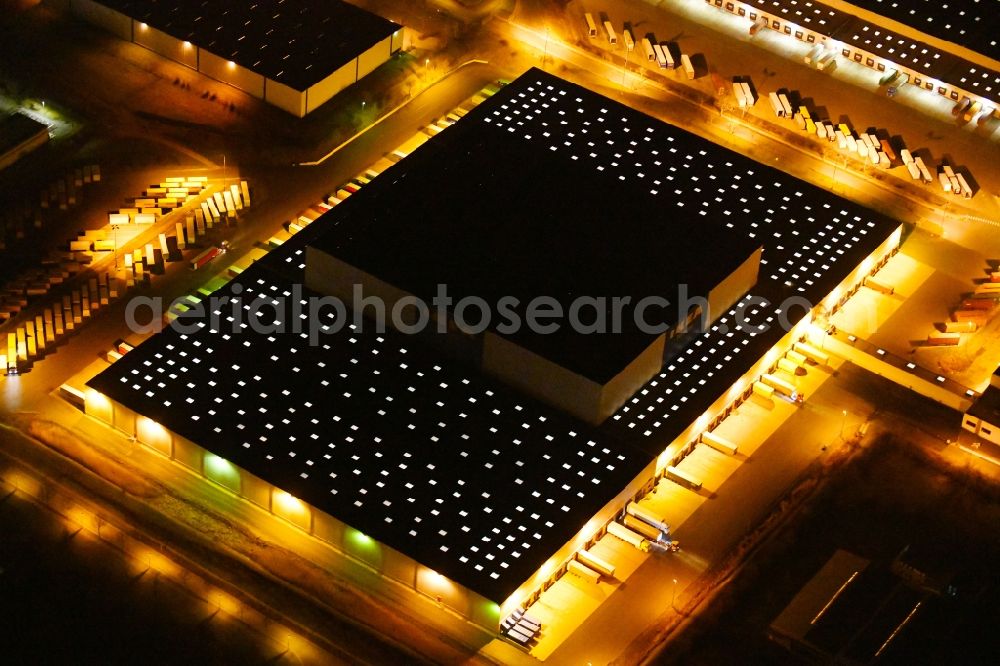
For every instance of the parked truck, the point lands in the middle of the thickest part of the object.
(204, 257)
(583, 571)
(779, 110)
(925, 173)
(741, 99)
(642, 527)
(628, 536)
(938, 339)
(785, 104)
(647, 47)
(647, 515)
(720, 443)
(782, 386)
(681, 477)
(610, 29)
(686, 64)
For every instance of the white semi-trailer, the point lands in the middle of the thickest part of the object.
(647, 515)
(779, 110)
(628, 536)
(719, 443)
(686, 64)
(647, 47)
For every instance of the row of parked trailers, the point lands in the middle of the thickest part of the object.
(667, 55)
(867, 145)
(37, 334)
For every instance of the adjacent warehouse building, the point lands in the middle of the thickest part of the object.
(851, 33)
(983, 417)
(295, 54)
(435, 467)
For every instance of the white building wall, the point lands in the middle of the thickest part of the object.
(226, 71)
(284, 97)
(369, 60)
(167, 46)
(320, 93)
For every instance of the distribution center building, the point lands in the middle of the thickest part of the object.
(435, 464)
(295, 54)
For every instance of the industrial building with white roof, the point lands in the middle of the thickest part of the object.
(434, 468)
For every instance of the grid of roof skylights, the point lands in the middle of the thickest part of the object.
(970, 23)
(805, 236)
(439, 463)
(688, 375)
(916, 55)
(817, 16)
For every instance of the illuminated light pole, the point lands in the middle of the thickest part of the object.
(545, 52)
(843, 419)
(673, 595)
(114, 232)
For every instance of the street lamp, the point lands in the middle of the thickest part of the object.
(545, 53)
(114, 232)
(843, 418)
(673, 595)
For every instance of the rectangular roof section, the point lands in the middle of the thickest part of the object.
(295, 42)
(446, 466)
(546, 189)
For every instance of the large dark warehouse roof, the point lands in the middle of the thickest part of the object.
(446, 466)
(440, 463)
(295, 42)
(550, 189)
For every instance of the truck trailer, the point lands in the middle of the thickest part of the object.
(628, 536)
(686, 64)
